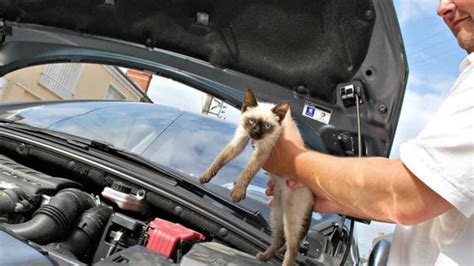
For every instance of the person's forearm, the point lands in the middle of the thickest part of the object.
(375, 188)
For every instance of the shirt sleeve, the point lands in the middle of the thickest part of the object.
(442, 155)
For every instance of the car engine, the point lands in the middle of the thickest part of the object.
(51, 220)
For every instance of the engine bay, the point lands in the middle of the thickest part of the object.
(54, 220)
(64, 204)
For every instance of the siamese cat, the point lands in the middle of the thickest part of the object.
(262, 123)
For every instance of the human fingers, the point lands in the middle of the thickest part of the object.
(270, 183)
(294, 184)
(269, 189)
(290, 131)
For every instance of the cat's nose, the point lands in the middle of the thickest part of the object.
(256, 133)
(257, 130)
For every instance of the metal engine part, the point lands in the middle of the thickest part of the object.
(31, 182)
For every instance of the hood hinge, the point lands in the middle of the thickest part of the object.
(5, 30)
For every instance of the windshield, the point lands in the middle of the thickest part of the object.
(165, 135)
(186, 139)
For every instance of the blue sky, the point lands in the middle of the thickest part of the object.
(433, 58)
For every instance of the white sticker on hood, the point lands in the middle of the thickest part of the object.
(317, 113)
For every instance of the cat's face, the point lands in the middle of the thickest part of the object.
(262, 119)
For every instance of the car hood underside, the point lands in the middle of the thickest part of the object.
(316, 44)
(300, 50)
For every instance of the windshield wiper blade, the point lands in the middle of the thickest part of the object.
(5, 120)
(183, 181)
(27, 127)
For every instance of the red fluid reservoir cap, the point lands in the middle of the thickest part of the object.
(164, 236)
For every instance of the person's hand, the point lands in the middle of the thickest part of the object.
(290, 183)
(320, 204)
(288, 146)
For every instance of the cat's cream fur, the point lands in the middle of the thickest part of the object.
(291, 208)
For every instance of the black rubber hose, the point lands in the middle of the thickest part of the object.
(51, 221)
(14, 200)
(8, 200)
(85, 235)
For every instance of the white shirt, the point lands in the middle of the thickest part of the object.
(442, 157)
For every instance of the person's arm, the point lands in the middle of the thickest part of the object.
(375, 188)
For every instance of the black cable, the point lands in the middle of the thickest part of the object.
(351, 236)
(359, 153)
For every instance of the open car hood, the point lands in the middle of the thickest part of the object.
(309, 52)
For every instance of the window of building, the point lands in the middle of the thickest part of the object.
(61, 78)
(114, 94)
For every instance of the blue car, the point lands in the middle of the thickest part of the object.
(110, 181)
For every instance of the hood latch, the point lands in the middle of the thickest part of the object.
(349, 91)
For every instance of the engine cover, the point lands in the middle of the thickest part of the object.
(30, 181)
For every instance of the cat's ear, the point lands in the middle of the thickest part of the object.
(280, 110)
(249, 100)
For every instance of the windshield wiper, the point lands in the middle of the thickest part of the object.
(254, 216)
(27, 127)
(181, 180)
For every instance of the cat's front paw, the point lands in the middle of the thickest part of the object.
(262, 256)
(237, 193)
(206, 177)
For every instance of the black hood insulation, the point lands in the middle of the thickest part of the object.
(307, 44)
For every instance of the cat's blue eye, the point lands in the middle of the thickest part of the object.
(267, 125)
(251, 121)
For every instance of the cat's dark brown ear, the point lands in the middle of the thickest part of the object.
(280, 110)
(249, 100)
